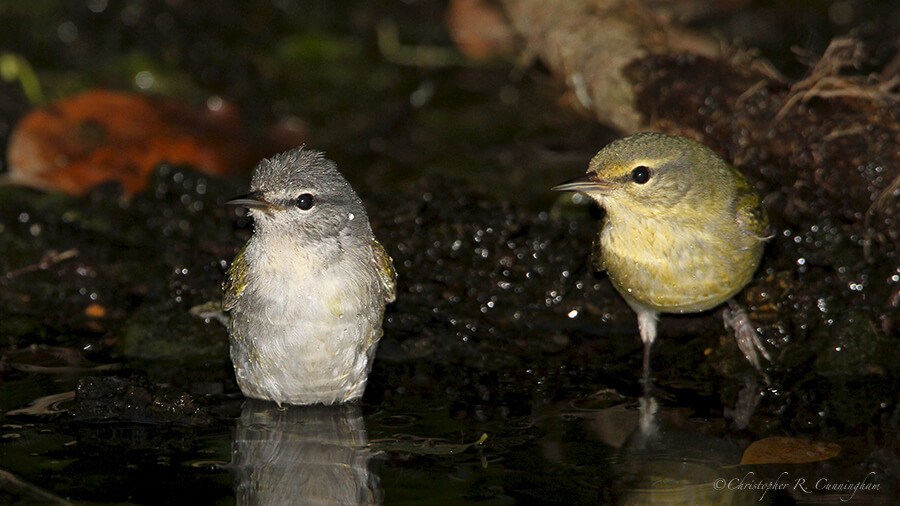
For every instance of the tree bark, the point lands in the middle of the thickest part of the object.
(591, 43)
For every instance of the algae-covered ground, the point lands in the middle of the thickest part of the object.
(113, 390)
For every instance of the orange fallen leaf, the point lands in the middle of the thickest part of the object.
(479, 29)
(102, 135)
(95, 310)
(787, 450)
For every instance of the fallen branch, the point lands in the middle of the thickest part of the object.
(49, 259)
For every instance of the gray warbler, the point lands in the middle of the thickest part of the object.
(684, 231)
(307, 292)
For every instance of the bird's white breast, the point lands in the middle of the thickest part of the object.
(306, 327)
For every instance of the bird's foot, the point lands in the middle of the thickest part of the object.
(748, 399)
(745, 334)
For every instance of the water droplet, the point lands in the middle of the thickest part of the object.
(144, 79)
(67, 32)
(97, 6)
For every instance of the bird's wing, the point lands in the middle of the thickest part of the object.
(385, 268)
(235, 280)
(749, 212)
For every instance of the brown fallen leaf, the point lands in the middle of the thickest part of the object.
(787, 450)
(100, 135)
(479, 29)
(95, 310)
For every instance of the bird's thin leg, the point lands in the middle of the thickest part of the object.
(647, 326)
(646, 367)
(745, 334)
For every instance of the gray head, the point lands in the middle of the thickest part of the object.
(301, 192)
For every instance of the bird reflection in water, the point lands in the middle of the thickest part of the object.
(662, 463)
(303, 454)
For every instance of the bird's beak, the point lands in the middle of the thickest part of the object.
(254, 200)
(585, 183)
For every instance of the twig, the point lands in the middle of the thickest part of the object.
(824, 80)
(417, 56)
(49, 259)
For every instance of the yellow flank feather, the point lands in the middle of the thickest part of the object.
(235, 280)
(385, 266)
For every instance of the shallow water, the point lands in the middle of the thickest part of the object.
(412, 449)
(508, 373)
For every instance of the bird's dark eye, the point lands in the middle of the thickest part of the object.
(640, 174)
(305, 201)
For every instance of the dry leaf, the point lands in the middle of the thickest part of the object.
(102, 135)
(479, 29)
(95, 310)
(787, 450)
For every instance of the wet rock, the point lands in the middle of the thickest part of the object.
(134, 399)
(158, 332)
(487, 273)
(144, 261)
